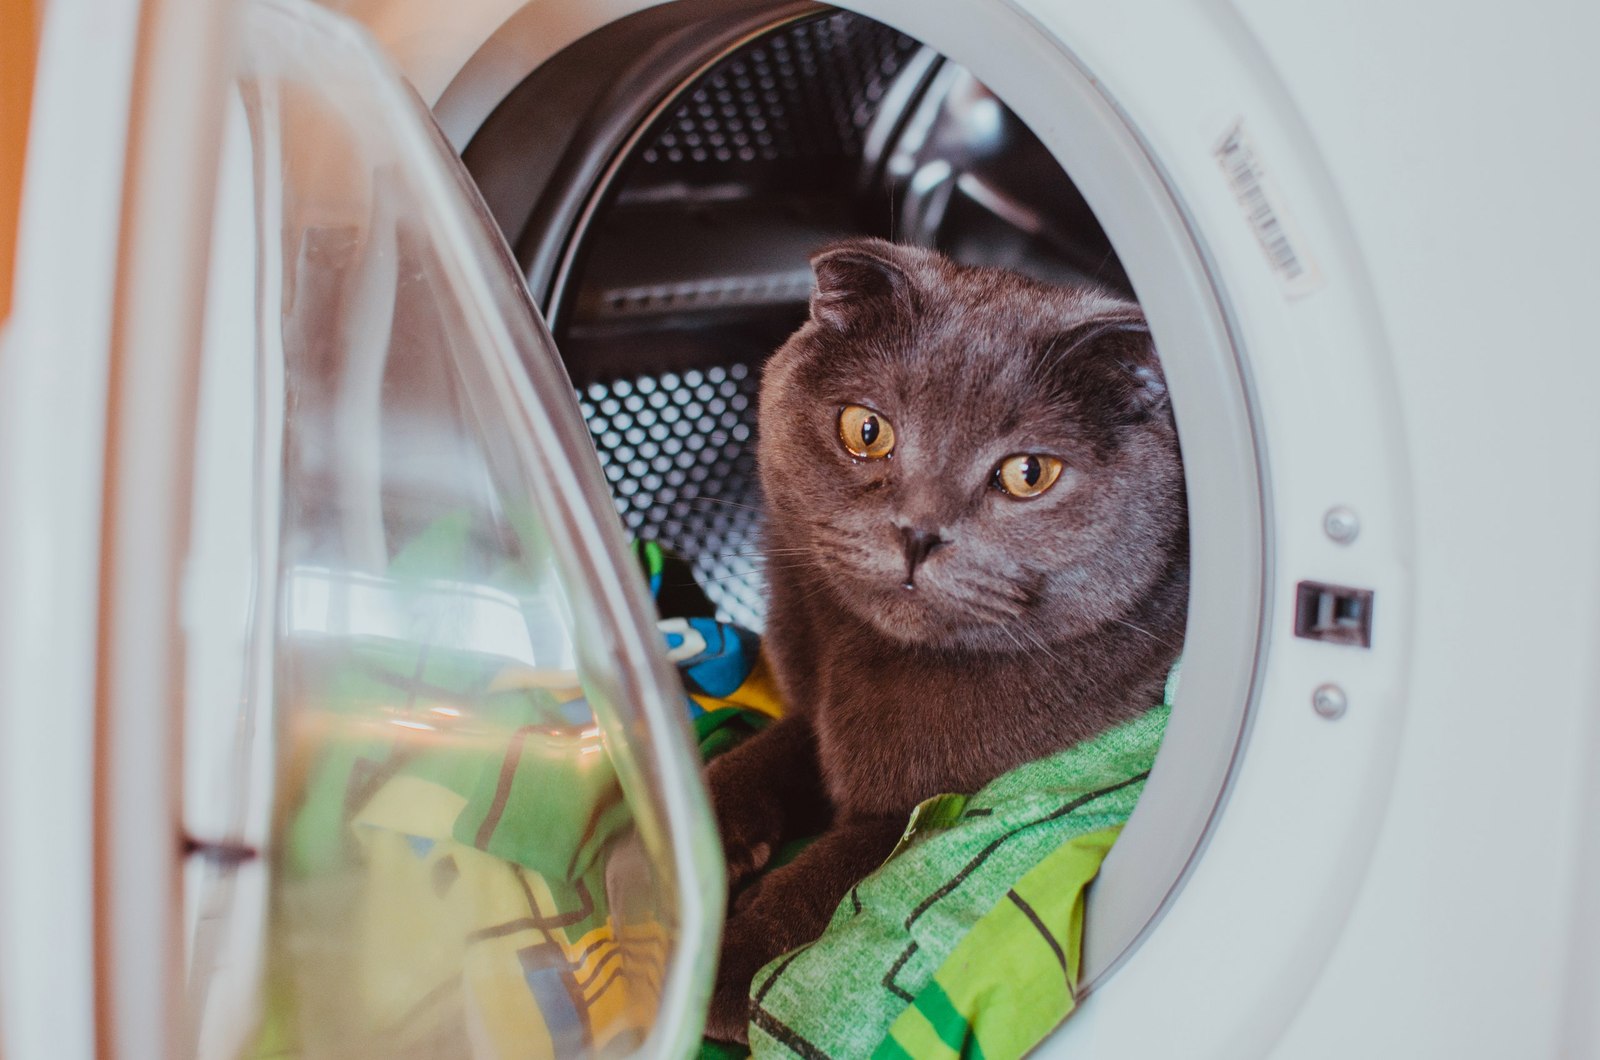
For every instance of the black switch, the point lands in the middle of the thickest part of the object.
(1333, 613)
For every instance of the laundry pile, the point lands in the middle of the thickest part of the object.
(460, 863)
(439, 886)
(966, 941)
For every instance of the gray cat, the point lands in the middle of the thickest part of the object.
(978, 555)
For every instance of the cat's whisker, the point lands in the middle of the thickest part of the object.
(703, 500)
(711, 568)
(1048, 651)
(984, 595)
(1006, 629)
(745, 552)
(815, 588)
(1140, 629)
(757, 554)
(1100, 269)
(993, 588)
(754, 570)
(984, 609)
(726, 577)
(1013, 591)
(1011, 605)
(834, 528)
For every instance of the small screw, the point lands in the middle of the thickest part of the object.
(1329, 701)
(1341, 524)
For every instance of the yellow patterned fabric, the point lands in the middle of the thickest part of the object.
(461, 874)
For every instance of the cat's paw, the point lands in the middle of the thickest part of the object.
(748, 943)
(728, 1019)
(749, 822)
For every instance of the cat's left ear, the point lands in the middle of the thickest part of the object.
(1110, 361)
(861, 281)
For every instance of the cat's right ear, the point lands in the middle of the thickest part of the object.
(860, 281)
(1111, 361)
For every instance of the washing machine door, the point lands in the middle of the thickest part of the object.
(438, 792)
(485, 833)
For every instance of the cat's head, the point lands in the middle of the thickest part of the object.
(966, 457)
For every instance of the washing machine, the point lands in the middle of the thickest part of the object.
(350, 346)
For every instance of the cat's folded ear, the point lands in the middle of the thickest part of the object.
(861, 281)
(1109, 362)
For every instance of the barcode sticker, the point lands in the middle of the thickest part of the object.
(1266, 213)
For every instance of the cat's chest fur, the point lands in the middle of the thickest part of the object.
(896, 724)
(893, 730)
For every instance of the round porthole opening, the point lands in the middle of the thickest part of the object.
(669, 250)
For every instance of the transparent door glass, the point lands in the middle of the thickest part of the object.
(482, 826)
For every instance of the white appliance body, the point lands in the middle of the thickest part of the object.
(1365, 236)
(1418, 876)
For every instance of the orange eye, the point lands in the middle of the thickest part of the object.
(1027, 475)
(865, 433)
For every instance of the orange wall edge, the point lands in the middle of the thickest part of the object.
(19, 38)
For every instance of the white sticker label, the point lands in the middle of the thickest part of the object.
(1265, 211)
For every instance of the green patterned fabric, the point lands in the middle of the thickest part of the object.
(966, 941)
(978, 1006)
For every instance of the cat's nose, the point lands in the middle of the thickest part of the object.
(917, 543)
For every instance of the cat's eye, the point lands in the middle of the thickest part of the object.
(1027, 474)
(865, 432)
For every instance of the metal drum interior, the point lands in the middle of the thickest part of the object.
(690, 265)
(669, 277)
